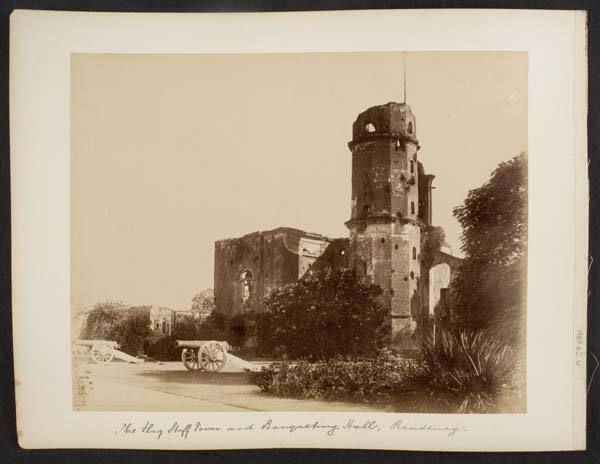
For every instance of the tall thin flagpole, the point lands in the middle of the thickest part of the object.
(405, 77)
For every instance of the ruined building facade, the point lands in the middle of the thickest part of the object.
(248, 268)
(391, 238)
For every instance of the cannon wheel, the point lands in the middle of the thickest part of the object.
(102, 353)
(212, 357)
(189, 359)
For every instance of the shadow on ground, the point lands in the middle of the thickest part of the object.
(199, 377)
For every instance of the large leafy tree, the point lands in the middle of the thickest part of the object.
(129, 326)
(327, 313)
(103, 320)
(203, 303)
(488, 291)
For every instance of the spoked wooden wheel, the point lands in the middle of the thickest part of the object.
(189, 359)
(102, 353)
(212, 357)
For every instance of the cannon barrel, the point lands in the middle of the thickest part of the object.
(189, 343)
(196, 343)
(91, 343)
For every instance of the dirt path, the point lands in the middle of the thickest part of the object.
(170, 387)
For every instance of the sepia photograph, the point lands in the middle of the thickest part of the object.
(342, 230)
(299, 232)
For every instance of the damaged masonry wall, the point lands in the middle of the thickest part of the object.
(248, 268)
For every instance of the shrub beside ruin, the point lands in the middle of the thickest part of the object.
(463, 372)
(339, 378)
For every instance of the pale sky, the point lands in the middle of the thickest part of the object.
(172, 152)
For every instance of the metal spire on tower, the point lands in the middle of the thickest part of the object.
(404, 78)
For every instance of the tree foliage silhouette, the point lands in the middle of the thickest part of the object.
(489, 289)
(325, 314)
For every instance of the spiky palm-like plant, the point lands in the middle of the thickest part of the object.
(465, 372)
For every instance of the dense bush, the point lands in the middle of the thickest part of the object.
(187, 328)
(462, 373)
(466, 372)
(162, 349)
(367, 380)
(236, 330)
(133, 331)
(241, 329)
(214, 327)
(328, 313)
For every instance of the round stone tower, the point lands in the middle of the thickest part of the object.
(384, 224)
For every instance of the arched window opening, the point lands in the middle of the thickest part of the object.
(246, 285)
(412, 166)
(412, 275)
(383, 240)
(410, 127)
(370, 127)
(412, 207)
(414, 253)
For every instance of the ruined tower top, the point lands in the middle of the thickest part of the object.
(385, 217)
(389, 121)
(385, 179)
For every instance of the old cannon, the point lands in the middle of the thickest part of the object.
(103, 351)
(207, 355)
(100, 351)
